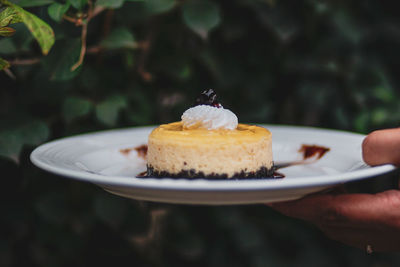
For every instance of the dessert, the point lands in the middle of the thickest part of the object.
(209, 143)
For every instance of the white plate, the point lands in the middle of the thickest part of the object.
(96, 158)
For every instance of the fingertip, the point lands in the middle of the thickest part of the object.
(276, 205)
(368, 145)
(382, 147)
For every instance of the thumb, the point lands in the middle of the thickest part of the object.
(382, 147)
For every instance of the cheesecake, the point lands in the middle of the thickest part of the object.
(209, 143)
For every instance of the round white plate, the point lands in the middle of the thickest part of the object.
(97, 158)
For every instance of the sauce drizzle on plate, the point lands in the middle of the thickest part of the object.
(310, 151)
(141, 150)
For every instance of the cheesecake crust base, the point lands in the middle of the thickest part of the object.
(261, 173)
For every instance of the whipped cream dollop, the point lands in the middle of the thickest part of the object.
(209, 117)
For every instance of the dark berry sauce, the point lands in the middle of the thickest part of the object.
(142, 175)
(209, 98)
(141, 150)
(313, 150)
(278, 175)
(308, 151)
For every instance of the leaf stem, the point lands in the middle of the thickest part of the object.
(24, 62)
(92, 12)
(146, 46)
(76, 21)
(83, 47)
(9, 73)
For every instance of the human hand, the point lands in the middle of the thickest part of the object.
(366, 221)
(354, 219)
(382, 147)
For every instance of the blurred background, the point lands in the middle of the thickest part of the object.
(124, 63)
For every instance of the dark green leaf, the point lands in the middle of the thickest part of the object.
(110, 209)
(57, 10)
(119, 38)
(9, 16)
(7, 46)
(379, 116)
(384, 94)
(21, 41)
(42, 32)
(76, 107)
(159, 6)
(62, 58)
(279, 20)
(110, 3)
(52, 207)
(78, 4)
(6, 31)
(384, 91)
(31, 133)
(34, 133)
(108, 110)
(201, 16)
(361, 121)
(129, 58)
(10, 145)
(32, 3)
(342, 119)
(347, 26)
(4, 64)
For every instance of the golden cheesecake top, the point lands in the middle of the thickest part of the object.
(174, 132)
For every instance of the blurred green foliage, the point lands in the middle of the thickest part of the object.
(122, 63)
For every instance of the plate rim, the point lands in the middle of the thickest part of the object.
(203, 184)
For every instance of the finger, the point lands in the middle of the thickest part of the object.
(382, 147)
(361, 210)
(337, 190)
(377, 238)
(354, 219)
(307, 208)
(331, 191)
